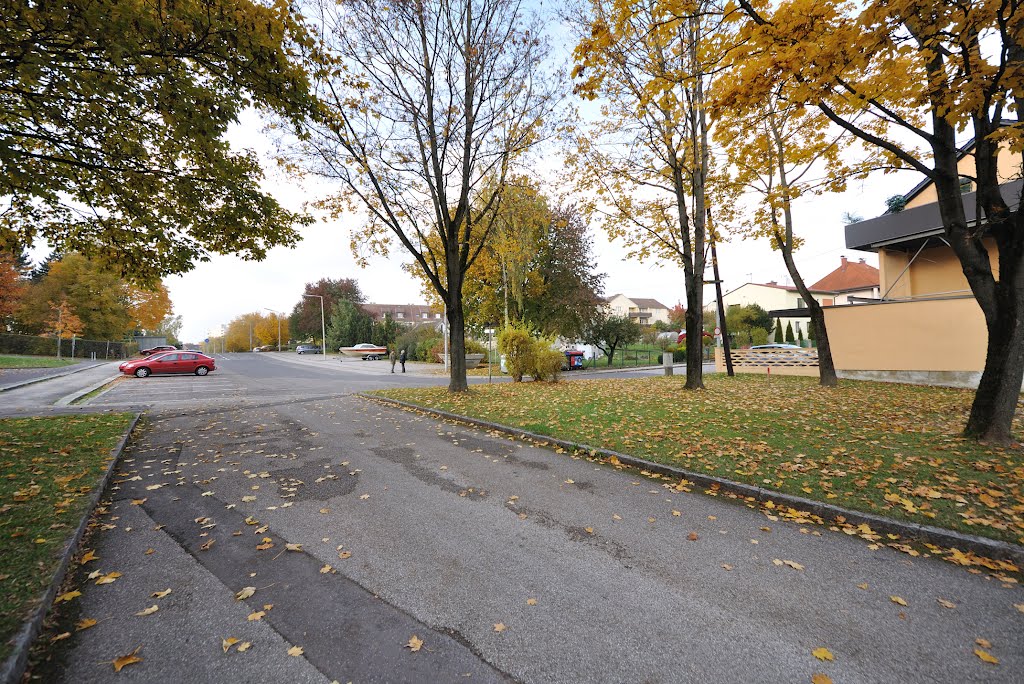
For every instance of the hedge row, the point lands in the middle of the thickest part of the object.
(47, 346)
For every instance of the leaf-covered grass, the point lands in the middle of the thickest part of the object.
(48, 468)
(882, 448)
(10, 361)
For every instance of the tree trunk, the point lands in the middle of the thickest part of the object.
(995, 402)
(456, 335)
(694, 334)
(826, 368)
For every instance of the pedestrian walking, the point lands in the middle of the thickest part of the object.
(401, 359)
(393, 357)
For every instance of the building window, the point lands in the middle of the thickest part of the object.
(801, 304)
(424, 314)
(399, 314)
(966, 184)
(437, 315)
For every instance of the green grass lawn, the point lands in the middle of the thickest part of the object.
(10, 361)
(881, 448)
(48, 468)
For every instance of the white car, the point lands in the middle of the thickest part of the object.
(776, 345)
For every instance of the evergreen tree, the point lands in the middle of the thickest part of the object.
(778, 331)
(789, 333)
(810, 331)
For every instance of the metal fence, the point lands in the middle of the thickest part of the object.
(635, 358)
(32, 345)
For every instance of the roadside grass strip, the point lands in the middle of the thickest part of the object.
(887, 449)
(48, 469)
(10, 361)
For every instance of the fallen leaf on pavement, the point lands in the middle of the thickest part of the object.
(793, 564)
(326, 569)
(531, 601)
(570, 482)
(345, 554)
(126, 660)
(692, 536)
(1019, 606)
(89, 556)
(138, 502)
(499, 627)
(160, 594)
(245, 593)
(244, 646)
(984, 643)
(64, 598)
(726, 566)
(415, 643)
(897, 600)
(85, 623)
(987, 657)
(207, 545)
(293, 547)
(946, 604)
(60, 637)
(819, 678)
(822, 654)
(148, 611)
(258, 615)
(109, 578)
(364, 496)
(295, 651)
(228, 643)
(862, 586)
(676, 513)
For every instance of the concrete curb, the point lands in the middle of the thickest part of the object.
(77, 394)
(990, 548)
(33, 381)
(13, 668)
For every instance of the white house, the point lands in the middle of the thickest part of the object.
(642, 310)
(852, 280)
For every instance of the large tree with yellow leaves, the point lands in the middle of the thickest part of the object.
(905, 76)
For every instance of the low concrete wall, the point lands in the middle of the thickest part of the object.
(923, 336)
(802, 362)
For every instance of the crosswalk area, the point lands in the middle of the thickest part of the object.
(170, 389)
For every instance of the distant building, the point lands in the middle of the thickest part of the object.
(852, 281)
(406, 314)
(642, 310)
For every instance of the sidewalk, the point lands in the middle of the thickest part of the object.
(12, 378)
(54, 391)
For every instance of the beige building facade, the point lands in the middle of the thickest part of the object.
(643, 310)
(926, 327)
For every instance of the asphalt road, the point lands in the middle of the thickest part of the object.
(509, 561)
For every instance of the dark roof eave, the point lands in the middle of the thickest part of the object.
(914, 224)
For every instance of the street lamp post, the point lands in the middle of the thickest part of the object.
(277, 315)
(323, 322)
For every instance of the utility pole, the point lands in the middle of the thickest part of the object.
(719, 302)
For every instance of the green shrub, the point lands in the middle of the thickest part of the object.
(759, 336)
(547, 362)
(516, 344)
(475, 347)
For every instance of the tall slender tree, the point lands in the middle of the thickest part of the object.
(427, 107)
(648, 159)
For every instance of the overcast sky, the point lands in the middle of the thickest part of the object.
(218, 291)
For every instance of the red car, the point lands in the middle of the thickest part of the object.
(157, 350)
(169, 362)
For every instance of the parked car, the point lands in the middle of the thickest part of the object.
(775, 345)
(308, 349)
(169, 363)
(365, 351)
(157, 350)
